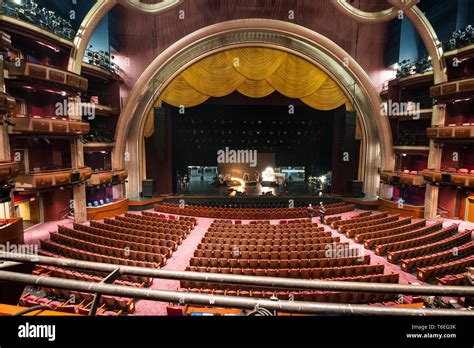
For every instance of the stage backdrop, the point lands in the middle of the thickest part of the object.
(237, 170)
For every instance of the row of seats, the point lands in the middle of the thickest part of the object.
(229, 248)
(29, 300)
(64, 273)
(148, 214)
(445, 268)
(116, 243)
(74, 254)
(179, 234)
(389, 221)
(303, 273)
(263, 236)
(360, 233)
(365, 235)
(270, 241)
(356, 219)
(369, 278)
(440, 257)
(136, 230)
(276, 264)
(275, 255)
(179, 229)
(410, 243)
(399, 237)
(456, 240)
(142, 242)
(453, 279)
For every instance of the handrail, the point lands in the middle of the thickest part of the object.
(223, 301)
(267, 282)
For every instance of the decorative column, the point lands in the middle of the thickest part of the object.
(79, 192)
(434, 162)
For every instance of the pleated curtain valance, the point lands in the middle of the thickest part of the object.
(255, 72)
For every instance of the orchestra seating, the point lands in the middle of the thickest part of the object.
(297, 249)
(430, 250)
(249, 214)
(145, 240)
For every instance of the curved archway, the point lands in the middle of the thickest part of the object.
(377, 142)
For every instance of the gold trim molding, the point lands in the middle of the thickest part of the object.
(276, 34)
(161, 6)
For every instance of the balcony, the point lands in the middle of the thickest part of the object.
(412, 178)
(98, 72)
(113, 177)
(32, 31)
(461, 178)
(48, 126)
(8, 170)
(451, 132)
(7, 104)
(455, 89)
(51, 178)
(46, 73)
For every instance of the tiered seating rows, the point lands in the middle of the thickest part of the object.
(362, 236)
(275, 264)
(353, 220)
(350, 229)
(229, 248)
(269, 241)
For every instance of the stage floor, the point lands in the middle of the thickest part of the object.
(204, 188)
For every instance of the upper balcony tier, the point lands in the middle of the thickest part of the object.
(113, 177)
(97, 72)
(453, 90)
(460, 178)
(31, 181)
(47, 74)
(48, 126)
(451, 132)
(8, 170)
(410, 178)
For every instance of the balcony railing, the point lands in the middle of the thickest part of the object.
(51, 178)
(48, 126)
(7, 104)
(46, 73)
(464, 131)
(462, 179)
(108, 177)
(452, 89)
(410, 179)
(8, 170)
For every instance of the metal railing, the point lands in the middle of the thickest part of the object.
(105, 288)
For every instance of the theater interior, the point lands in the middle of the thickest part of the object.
(289, 158)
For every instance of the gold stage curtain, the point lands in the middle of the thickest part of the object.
(256, 63)
(256, 73)
(213, 76)
(149, 127)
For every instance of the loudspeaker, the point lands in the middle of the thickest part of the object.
(356, 188)
(147, 188)
(349, 132)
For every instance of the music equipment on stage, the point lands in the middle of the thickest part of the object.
(147, 188)
(356, 188)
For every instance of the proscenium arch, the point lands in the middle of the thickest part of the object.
(298, 40)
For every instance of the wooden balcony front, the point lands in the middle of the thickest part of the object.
(449, 90)
(449, 178)
(395, 178)
(51, 178)
(49, 74)
(108, 177)
(8, 170)
(7, 104)
(453, 132)
(416, 211)
(48, 126)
